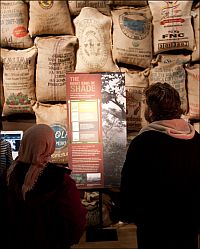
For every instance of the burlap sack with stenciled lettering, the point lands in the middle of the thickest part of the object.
(91, 203)
(135, 83)
(49, 18)
(173, 74)
(14, 25)
(169, 58)
(129, 3)
(132, 36)
(172, 27)
(196, 17)
(197, 126)
(193, 86)
(18, 80)
(102, 6)
(56, 57)
(93, 30)
(56, 117)
(1, 89)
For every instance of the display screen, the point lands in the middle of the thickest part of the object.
(14, 138)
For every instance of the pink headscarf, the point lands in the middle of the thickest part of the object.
(36, 148)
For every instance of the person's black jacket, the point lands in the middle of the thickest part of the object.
(160, 181)
(50, 217)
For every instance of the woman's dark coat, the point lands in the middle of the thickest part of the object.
(51, 217)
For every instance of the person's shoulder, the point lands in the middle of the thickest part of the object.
(52, 174)
(68, 180)
(54, 171)
(151, 134)
(55, 168)
(147, 139)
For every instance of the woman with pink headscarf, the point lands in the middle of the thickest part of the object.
(44, 206)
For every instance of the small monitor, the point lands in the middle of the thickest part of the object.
(14, 137)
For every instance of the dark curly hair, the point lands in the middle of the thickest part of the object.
(163, 101)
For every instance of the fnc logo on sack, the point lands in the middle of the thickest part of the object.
(60, 135)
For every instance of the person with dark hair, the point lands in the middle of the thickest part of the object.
(163, 103)
(160, 178)
(44, 209)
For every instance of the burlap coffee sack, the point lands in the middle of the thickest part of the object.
(197, 126)
(1, 89)
(193, 86)
(56, 57)
(18, 80)
(102, 6)
(129, 3)
(172, 25)
(169, 58)
(14, 25)
(93, 30)
(56, 117)
(196, 16)
(132, 35)
(135, 83)
(49, 18)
